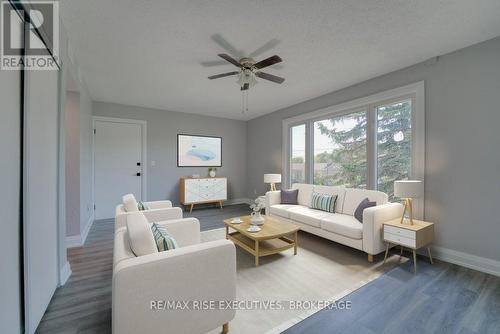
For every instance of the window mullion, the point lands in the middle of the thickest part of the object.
(309, 176)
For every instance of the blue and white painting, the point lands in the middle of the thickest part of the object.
(199, 151)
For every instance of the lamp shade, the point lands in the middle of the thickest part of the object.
(272, 178)
(408, 189)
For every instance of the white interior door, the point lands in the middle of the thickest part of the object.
(118, 164)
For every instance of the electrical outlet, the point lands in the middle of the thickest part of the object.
(153, 163)
(255, 191)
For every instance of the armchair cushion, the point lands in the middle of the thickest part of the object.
(141, 238)
(164, 241)
(129, 203)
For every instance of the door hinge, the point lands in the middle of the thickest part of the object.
(95, 131)
(94, 207)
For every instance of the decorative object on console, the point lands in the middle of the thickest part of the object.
(323, 202)
(408, 189)
(358, 214)
(289, 196)
(212, 171)
(199, 151)
(272, 179)
(256, 215)
(202, 190)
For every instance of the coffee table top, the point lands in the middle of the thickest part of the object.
(272, 228)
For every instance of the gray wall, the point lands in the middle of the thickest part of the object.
(86, 205)
(162, 129)
(72, 162)
(462, 92)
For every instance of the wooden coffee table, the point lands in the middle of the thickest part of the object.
(275, 237)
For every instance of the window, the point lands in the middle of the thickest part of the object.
(393, 144)
(340, 150)
(298, 154)
(366, 143)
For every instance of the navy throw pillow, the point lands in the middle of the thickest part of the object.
(289, 196)
(358, 214)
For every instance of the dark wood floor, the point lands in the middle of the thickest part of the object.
(83, 304)
(441, 298)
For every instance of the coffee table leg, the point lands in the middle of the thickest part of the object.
(256, 253)
(227, 232)
(295, 243)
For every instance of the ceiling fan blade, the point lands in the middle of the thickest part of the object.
(268, 62)
(217, 38)
(245, 86)
(229, 59)
(222, 75)
(269, 77)
(266, 47)
(212, 63)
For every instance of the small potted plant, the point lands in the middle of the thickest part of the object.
(257, 207)
(212, 171)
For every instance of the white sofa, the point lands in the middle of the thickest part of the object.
(159, 211)
(340, 226)
(192, 272)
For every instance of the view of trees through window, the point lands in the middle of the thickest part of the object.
(298, 161)
(393, 145)
(340, 150)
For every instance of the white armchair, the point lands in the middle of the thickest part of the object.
(193, 272)
(158, 211)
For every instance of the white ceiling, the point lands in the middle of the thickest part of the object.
(150, 53)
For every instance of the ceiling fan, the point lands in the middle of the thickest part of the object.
(249, 69)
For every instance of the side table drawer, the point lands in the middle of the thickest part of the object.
(400, 240)
(400, 231)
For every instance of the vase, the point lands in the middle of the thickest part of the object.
(212, 173)
(257, 218)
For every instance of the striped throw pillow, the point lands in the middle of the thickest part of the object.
(164, 241)
(323, 202)
(141, 206)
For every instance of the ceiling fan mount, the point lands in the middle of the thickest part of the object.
(248, 69)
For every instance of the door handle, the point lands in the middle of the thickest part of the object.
(138, 174)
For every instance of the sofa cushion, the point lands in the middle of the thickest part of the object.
(281, 210)
(164, 241)
(141, 238)
(333, 190)
(343, 224)
(323, 202)
(129, 203)
(289, 196)
(307, 215)
(354, 196)
(305, 191)
(358, 214)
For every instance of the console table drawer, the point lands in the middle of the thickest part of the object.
(400, 240)
(400, 231)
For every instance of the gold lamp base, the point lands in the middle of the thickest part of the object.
(408, 206)
(273, 187)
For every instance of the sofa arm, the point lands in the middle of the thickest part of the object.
(159, 204)
(373, 219)
(272, 197)
(186, 232)
(160, 215)
(204, 272)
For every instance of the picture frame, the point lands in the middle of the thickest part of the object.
(199, 151)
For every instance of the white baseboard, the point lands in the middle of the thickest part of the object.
(478, 263)
(64, 274)
(79, 240)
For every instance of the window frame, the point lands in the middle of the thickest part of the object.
(415, 92)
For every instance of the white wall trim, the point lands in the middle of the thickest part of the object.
(144, 162)
(415, 91)
(79, 240)
(475, 262)
(64, 274)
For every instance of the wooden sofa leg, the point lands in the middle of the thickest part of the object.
(370, 258)
(225, 328)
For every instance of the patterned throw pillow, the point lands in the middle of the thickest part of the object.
(323, 202)
(142, 206)
(164, 241)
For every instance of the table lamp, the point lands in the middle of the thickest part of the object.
(272, 179)
(408, 189)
